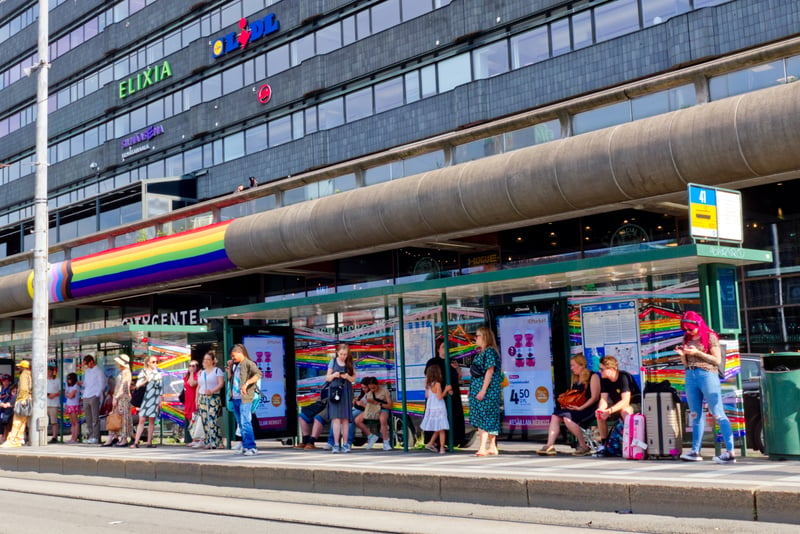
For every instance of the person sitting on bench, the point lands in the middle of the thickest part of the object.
(619, 396)
(378, 403)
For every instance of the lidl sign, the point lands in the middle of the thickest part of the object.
(249, 32)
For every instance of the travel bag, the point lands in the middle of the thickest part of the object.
(662, 411)
(634, 442)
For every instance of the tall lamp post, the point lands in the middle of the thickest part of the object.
(37, 430)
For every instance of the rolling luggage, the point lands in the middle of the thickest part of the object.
(662, 411)
(633, 437)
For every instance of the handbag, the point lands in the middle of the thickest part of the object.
(137, 398)
(336, 393)
(23, 408)
(572, 397)
(196, 429)
(113, 421)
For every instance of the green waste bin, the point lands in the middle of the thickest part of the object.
(780, 404)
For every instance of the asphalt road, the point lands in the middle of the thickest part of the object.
(86, 505)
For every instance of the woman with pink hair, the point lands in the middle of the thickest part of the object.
(701, 356)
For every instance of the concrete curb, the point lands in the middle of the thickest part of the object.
(690, 500)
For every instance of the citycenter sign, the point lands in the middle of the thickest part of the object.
(249, 33)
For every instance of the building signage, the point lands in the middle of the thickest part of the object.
(182, 318)
(264, 93)
(139, 143)
(144, 79)
(249, 33)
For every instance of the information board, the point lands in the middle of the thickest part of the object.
(612, 329)
(715, 213)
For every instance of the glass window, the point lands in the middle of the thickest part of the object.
(603, 117)
(331, 113)
(76, 37)
(383, 173)
(663, 102)
(193, 159)
(344, 183)
(190, 33)
(233, 146)
(280, 131)
(172, 43)
(121, 126)
(90, 29)
(425, 162)
(155, 51)
(302, 49)
(415, 8)
(348, 30)
(744, 81)
(329, 39)
(76, 144)
(362, 24)
(358, 104)
(529, 48)
(155, 111)
(453, 72)
(428, 79)
(311, 119)
(658, 11)
(532, 135)
(121, 68)
(477, 149)
(615, 19)
(109, 219)
(293, 196)
(389, 94)
(560, 37)
(581, 30)
(231, 15)
(212, 88)
(260, 65)
(297, 125)
(412, 86)
(792, 69)
(278, 60)
(174, 165)
(385, 15)
(490, 60)
(231, 79)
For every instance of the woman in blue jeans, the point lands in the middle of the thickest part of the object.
(244, 374)
(701, 356)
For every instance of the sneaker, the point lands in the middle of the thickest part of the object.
(387, 446)
(345, 449)
(335, 449)
(725, 458)
(237, 446)
(372, 440)
(327, 446)
(250, 452)
(197, 444)
(92, 441)
(691, 456)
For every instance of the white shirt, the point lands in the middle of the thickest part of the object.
(94, 381)
(206, 381)
(53, 386)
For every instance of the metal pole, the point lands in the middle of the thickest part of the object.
(37, 432)
(448, 398)
(401, 355)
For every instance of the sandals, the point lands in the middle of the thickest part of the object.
(547, 451)
(431, 448)
(582, 451)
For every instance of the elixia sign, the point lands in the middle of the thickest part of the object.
(144, 79)
(248, 34)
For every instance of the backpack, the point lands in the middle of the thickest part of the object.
(614, 444)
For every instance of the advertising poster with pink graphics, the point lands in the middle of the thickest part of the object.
(268, 353)
(527, 361)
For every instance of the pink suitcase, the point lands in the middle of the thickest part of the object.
(634, 441)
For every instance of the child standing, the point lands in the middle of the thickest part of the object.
(435, 419)
(73, 405)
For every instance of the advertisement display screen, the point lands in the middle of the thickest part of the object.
(272, 349)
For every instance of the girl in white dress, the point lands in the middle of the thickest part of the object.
(435, 419)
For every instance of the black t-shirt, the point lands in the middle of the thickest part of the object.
(614, 390)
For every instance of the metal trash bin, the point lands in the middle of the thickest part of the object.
(780, 405)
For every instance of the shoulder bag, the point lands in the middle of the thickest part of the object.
(572, 397)
(137, 398)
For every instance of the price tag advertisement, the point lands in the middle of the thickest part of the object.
(527, 361)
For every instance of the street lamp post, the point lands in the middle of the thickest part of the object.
(37, 430)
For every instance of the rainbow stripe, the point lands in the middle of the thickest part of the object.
(183, 255)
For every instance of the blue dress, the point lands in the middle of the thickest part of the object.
(485, 414)
(342, 409)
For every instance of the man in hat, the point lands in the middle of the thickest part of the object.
(20, 423)
(94, 380)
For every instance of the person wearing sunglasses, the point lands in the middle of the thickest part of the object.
(701, 355)
(189, 398)
(151, 378)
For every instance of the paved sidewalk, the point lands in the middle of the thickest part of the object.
(752, 489)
